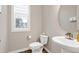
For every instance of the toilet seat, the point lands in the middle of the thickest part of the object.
(35, 45)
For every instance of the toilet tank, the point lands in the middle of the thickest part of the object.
(43, 39)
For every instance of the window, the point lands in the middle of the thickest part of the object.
(20, 15)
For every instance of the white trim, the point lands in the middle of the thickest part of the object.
(19, 50)
(13, 24)
(23, 49)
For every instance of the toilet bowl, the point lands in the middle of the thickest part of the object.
(37, 47)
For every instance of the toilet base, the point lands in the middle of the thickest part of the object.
(40, 50)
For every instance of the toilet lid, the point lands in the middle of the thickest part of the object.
(35, 45)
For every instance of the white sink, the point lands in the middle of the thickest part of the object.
(66, 45)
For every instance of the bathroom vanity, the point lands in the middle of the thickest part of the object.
(66, 45)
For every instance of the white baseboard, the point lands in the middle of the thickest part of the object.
(19, 50)
(23, 49)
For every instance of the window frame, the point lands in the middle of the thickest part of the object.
(13, 21)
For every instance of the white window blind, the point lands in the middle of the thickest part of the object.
(21, 17)
(24, 9)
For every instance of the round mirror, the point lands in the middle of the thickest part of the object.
(67, 17)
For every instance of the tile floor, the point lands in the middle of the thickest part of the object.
(30, 51)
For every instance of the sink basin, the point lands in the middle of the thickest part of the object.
(66, 45)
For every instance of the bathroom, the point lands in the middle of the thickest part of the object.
(42, 19)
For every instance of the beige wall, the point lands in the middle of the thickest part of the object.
(51, 26)
(43, 19)
(3, 29)
(18, 40)
(77, 17)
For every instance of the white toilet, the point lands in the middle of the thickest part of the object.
(37, 47)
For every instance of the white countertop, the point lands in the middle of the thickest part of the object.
(66, 42)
